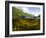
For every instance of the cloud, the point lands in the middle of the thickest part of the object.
(25, 9)
(33, 13)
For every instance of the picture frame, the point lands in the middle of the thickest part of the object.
(8, 16)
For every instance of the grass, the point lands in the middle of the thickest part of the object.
(25, 24)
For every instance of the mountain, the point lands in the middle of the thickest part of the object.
(16, 13)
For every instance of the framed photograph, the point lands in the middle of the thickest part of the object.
(24, 18)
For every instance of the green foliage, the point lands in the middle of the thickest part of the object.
(24, 24)
(16, 12)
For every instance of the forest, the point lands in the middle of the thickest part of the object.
(23, 21)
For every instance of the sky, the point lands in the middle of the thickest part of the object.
(31, 10)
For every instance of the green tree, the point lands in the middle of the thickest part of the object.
(16, 12)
